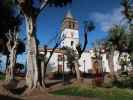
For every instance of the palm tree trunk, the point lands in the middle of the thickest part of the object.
(111, 64)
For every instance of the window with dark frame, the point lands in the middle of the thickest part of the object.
(72, 42)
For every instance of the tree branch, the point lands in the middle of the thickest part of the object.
(85, 42)
(43, 5)
(88, 27)
(56, 45)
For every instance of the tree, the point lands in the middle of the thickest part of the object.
(128, 9)
(71, 55)
(128, 13)
(88, 27)
(12, 48)
(8, 20)
(31, 9)
(0, 66)
(117, 40)
(45, 59)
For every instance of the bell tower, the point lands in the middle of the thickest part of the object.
(69, 31)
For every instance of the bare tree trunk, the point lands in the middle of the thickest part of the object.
(35, 74)
(32, 53)
(43, 69)
(77, 70)
(12, 59)
(12, 39)
(111, 64)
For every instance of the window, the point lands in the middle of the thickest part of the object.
(69, 25)
(73, 25)
(60, 57)
(71, 34)
(72, 43)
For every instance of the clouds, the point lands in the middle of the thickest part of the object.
(107, 20)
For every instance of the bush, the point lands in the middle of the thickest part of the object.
(124, 82)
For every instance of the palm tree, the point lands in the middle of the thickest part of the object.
(117, 40)
(128, 9)
(70, 54)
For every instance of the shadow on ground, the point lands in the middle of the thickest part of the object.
(18, 91)
(2, 97)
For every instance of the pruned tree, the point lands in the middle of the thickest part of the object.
(97, 57)
(71, 55)
(116, 41)
(8, 20)
(88, 27)
(45, 58)
(31, 10)
(12, 48)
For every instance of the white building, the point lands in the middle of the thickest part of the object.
(70, 35)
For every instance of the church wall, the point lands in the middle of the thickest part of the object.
(85, 62)
(70, 35)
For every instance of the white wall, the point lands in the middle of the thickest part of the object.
(86, 56)
(67, 41)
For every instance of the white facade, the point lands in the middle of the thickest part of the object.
(85, 62)
(70, 38)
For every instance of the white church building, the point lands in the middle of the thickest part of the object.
(70, 30)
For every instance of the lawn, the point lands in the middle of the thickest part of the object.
(2, 76)
(101, 93)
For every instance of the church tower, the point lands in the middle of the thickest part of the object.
(69, 31)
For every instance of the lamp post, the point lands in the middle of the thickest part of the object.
(84, 66)
(63, 67)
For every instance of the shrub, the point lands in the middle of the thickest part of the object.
(124, 82)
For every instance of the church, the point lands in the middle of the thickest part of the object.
(70, 33)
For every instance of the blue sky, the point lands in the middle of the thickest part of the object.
(103, 12)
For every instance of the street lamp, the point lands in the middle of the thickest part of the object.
(84, 66)
(63, 68)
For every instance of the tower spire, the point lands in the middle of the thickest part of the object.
(69, 14)
(70, 31)
(69, 22)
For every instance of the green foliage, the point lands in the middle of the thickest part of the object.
(128, 9)
(8, 20)
(71, 56)
(117, 38)
(124, 82)
(59, 3)
(101, 93)
(89, 26)
(2, 76)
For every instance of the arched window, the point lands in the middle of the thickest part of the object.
(72, 42)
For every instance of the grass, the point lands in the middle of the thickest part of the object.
(101, 93)
(2, 77)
